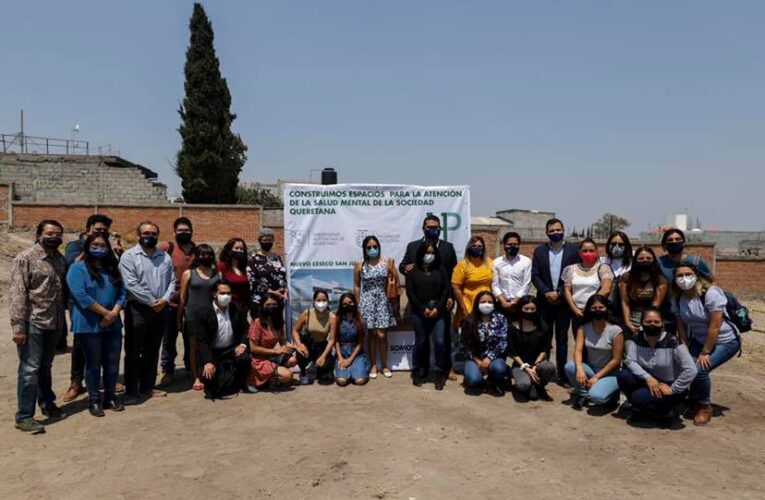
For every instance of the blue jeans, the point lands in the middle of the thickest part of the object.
(35, 361)
(426, 329)
(169, 347)
(701, 387)
(603, 389)
(498, 372)
(102, 350)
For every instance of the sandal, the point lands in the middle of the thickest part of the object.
(387, 373)
(373, 374)
(198, 385)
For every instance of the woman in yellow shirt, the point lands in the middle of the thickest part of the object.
(472, 275)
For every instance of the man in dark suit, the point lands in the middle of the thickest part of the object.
(222, 350)
(431, 228)
(547, 265)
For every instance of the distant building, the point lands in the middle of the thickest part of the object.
(530, 224)
(746, 243)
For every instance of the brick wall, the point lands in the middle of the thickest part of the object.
(5, 199)
(743, 276)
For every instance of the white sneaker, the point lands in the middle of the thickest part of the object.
(304, 380)
(252, 389)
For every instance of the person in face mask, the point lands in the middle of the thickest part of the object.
(484, 335)
(428, 290)
(222, 342)
(232, 264)
(530, 342)
(371, 278)
(273, 357)
(314, 337)
(352, 362)
(150, 282)
(472, 275)
(182, 252)
(643, 286)
(702, 323)
(99, 296)
(36, 310)
(619, 258)
(197, 286)
(547, 265)
(511, 275)
(266, 272)
(658, 371)
(585, 279)
(595, 381)
(674, 243)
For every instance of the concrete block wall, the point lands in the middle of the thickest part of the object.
(80, 179)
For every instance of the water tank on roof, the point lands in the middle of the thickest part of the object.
(328, 176)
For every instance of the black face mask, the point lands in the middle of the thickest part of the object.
(512, 251)
(51, 242)
(652, 330)
(432, 234)
(475, 252)
(529, 316)
(148, 241)
(183, 238)
(206, 261)
(349, 309)
(599, 314)
(644, 266)
(271, 311)
(675, 247)
(266, 246)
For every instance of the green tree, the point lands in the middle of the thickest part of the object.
(608, 224)
(211, 155)
(254, 195)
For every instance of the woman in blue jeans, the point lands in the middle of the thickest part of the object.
(484, 336)
(595, 380)
(99, 295)
(427, 288)
(703, 325)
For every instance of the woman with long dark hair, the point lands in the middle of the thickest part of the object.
(427, 288)
(232, 265)
(594, 380)
(195, 298)
(472, 275)
(585, 279)
(530, 342)
(642, 287)
(99, 295)
(272, 355)
(619, 258)
(352, 363)
(484, 335)
(371, 277)
(314, 337)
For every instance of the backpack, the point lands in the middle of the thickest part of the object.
(736, 312)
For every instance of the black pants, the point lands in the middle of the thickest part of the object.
(77, 374)
(425, 330)
(315, 350)
(230, 372)
(169, 343)
(558, 320)
(144, 331)
(640, 397)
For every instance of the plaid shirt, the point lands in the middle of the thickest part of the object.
(37, 294)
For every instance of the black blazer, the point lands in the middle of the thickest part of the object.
(445, 250)
(207, 339)
(540, 268)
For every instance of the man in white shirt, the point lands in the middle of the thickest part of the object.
(512, 274)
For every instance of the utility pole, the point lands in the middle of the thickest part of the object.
(21, 134)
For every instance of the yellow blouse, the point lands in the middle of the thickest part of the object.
(472, 280)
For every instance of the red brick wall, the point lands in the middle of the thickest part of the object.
(742, 276)
(212, 224)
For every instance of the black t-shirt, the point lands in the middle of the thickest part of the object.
(528, 345)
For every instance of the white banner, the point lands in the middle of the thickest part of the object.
(325, 226)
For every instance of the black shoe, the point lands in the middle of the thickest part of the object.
(533, 394)
(417, 381)
(53, 412)
(132, 399)
(96, 410)
(543, 395)
(114, 405)
(576, 402)
(499, 391)
(440, 383)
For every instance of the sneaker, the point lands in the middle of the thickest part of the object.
(97, 410)
(30, 425)
(53, 412)
(251, 389)
(304, 380)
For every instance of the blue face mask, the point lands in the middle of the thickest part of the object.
(373, 252)
(98, 252)
(555, 237)
(432, 234)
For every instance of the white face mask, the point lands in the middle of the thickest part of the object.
(686, 282)
(224, 299)
(429, 258)
(486, 307)
(321, 305)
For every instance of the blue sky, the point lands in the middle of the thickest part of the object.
(643, 109)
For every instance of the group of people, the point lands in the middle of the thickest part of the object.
(650, 327)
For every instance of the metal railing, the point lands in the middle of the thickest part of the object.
(20, 143)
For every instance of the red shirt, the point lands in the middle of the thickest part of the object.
(240, 285)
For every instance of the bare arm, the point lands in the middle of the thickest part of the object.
(330, 336)
(183, 295)
(357, 281)
(661, 294)
(570, 299)
(626, 310)
(605, 287)
(715, 322)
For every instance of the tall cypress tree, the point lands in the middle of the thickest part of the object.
(211, 156)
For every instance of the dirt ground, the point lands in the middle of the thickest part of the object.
(386, 440)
